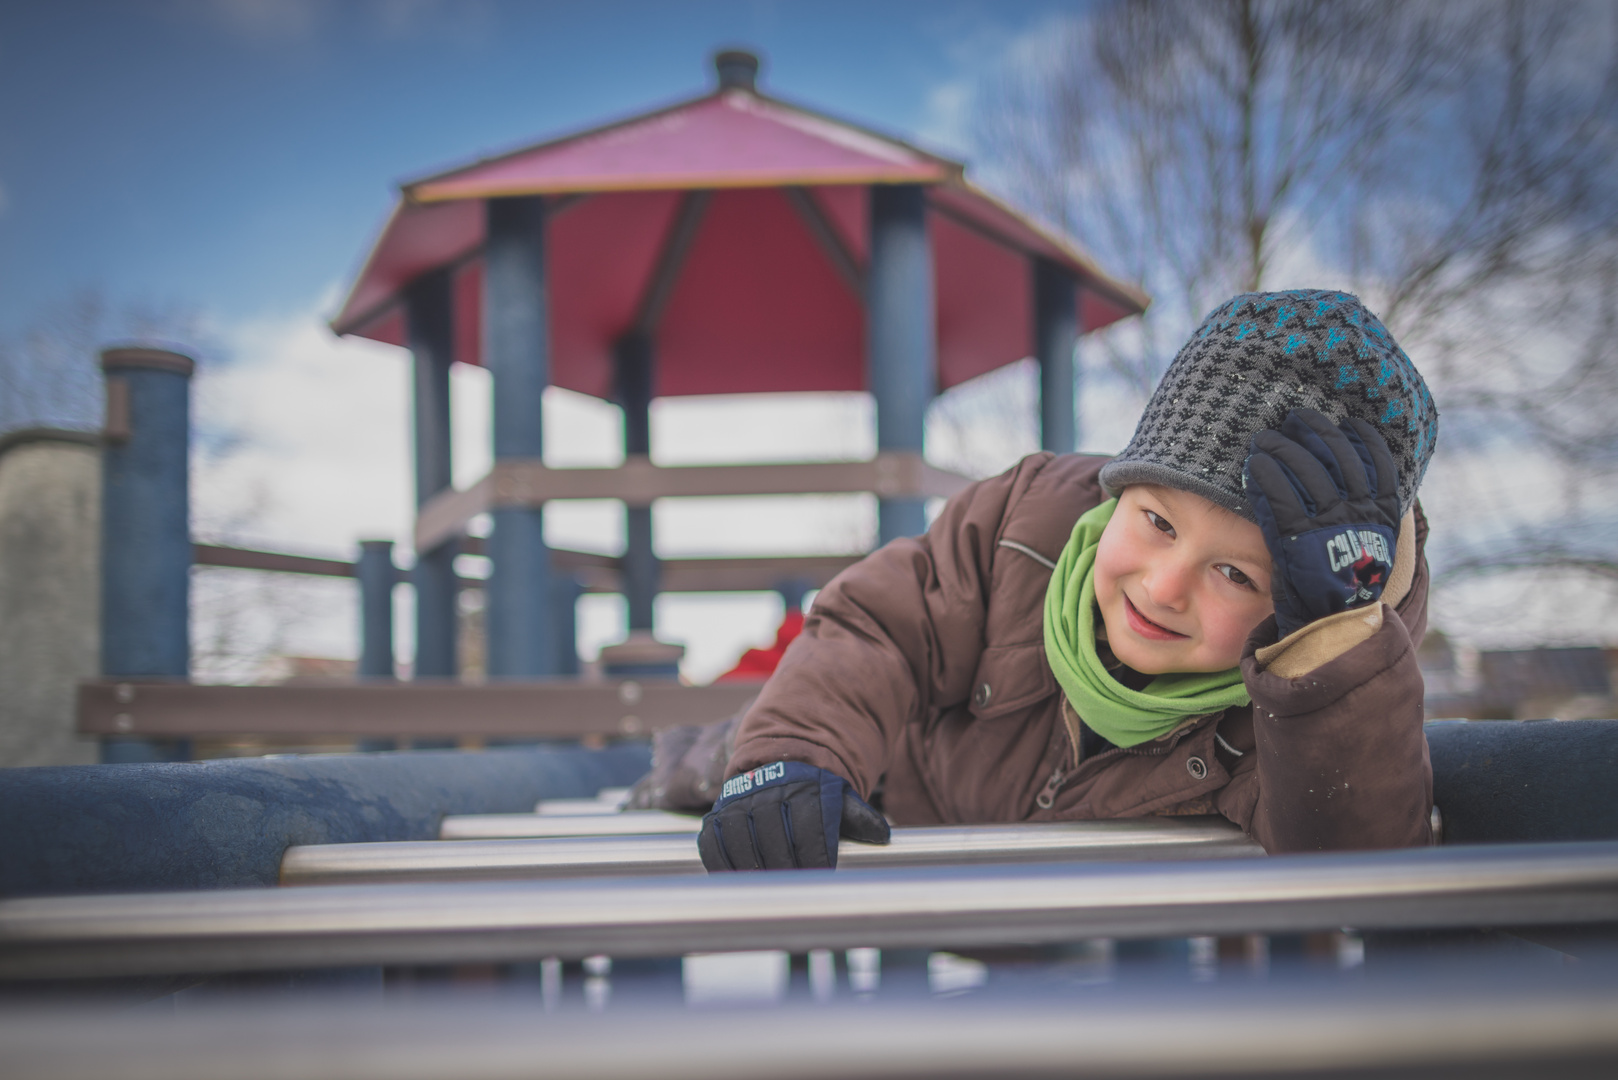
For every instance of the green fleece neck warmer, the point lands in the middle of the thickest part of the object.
(1122, 716)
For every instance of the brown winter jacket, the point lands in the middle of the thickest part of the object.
(922, 670)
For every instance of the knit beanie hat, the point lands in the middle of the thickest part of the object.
(1252, 361)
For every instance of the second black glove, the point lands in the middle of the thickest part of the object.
(785, 816)
(1327, 500)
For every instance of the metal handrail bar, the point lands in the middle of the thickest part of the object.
(470, 827)
(583, 855)
(1411, 1029)
(609, 800)
(953, 908)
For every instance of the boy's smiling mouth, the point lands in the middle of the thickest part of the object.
(1145, 627)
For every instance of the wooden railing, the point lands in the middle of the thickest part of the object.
(890, 475)
(596, 573)
(558, 708)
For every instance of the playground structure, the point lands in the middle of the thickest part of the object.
(732, 243)
(493, 913)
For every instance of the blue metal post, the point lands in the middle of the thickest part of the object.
(565, 607)
(146, 530)
(792, 591)
(377, 576)
(1055, 333)
(520, 623)
(901, 336)
(641, 572)
(430, 317)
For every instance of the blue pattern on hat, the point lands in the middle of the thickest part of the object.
(1281, 350)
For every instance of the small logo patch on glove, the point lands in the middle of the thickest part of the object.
(1339, 567)
(755, 778)
(1365, 551)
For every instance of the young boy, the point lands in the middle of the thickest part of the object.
(1220, 620)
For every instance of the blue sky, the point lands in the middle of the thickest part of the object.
(236, 156)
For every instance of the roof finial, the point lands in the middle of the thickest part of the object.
(737, 68)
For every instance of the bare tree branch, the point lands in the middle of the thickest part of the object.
(1456, 163)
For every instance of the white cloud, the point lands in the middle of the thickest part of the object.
(978, 46)
(322, 459)
(947, 115)
(261, 20)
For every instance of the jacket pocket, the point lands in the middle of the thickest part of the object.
(1010, 678)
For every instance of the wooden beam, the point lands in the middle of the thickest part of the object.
(751, 575)
(273, 561)
(666, 273)
(559, 708)
(829, 239)
(598, 573)
(527, 482)
(892, 474)
(601, 573)
(447, 514)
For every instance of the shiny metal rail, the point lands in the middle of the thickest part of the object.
(595, 856)
(1407, 1030)
(536, 826)
(606, 801)
(956, 907)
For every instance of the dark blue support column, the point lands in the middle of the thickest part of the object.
(634, 385)
(792, 591)
(377, 576)
(146, 530)
(565, 605)
(1056, 329)
(900, 336)
(430, 312)
(521, 624)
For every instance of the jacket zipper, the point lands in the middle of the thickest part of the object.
(1047, 794)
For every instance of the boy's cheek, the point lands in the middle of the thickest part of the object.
(1112, 562)
(1227, 631)
(1108, 608)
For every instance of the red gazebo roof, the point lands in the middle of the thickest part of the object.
(767, 295)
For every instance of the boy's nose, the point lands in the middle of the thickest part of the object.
(1168, 584)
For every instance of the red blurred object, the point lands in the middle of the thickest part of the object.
(768, 294)
(757, 665)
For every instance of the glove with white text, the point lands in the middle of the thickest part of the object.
(784, 816)
(1327, 500)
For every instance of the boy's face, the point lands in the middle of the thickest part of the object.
(1180, 582)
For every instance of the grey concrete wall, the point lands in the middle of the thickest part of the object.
(50, 529)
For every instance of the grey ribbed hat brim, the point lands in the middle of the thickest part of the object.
(1117, 475)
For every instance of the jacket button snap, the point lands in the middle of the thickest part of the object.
(980, 696)
(1197, 768)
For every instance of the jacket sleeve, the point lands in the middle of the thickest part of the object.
(1342, 757)
(895, 635)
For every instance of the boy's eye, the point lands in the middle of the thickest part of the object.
(1159, 523)
(1236, 576)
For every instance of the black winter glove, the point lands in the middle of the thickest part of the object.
(785, 815)
(1327, 500)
